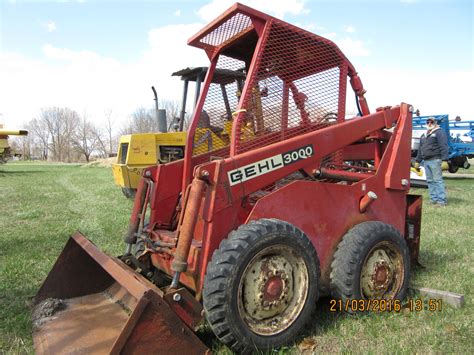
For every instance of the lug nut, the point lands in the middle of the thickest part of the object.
(176, 297)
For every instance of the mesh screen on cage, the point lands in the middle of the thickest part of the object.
(228, 30)
(299, 86)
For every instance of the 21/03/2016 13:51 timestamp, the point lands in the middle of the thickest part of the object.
(383, 305)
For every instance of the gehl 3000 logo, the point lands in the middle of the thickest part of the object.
(265, 166)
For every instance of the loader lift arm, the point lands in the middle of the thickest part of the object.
(258, 227)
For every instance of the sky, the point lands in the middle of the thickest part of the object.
(101, 56)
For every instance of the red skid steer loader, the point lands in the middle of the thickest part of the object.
(300, 203)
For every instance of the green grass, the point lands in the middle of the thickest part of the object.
(41, 205)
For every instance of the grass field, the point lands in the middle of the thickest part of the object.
(41, 205)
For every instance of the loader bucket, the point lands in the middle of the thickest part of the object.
(93, 303)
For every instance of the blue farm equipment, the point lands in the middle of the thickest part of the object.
(460, 141)
(461, 146)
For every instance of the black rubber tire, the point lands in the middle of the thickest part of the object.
(129, 192)
(223, 279)
(351, 255)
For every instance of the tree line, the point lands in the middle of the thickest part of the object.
(61, 134)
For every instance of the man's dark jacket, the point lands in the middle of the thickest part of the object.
(433, 145)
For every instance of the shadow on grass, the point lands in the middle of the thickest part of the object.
(463, 177)
(457, 201)
(432, 261)
(324, 318)
(20, 172)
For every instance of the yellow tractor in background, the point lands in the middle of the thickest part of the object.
(5, 150)
(140, 150)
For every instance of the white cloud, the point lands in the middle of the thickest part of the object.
(352, 47)
(329, 35)
(177, 13)
(277, 8)
(311, 27)
(89, 82)
(86, 59)
(423, 90)
(168, 52)
(50, 26)
(349, 29)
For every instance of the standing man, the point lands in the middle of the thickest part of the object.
(434, 152)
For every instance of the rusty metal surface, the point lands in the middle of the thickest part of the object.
(292, 99)
(108, 308)
(273, 290)
(105, 323)
(156, 329)
(383, 272)
(185, 306)
(186, 231)
(413, 225)
(89, 325)
(71, 274)
(82, 269)
(342, 175)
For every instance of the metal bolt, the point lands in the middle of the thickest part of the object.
(147, 173)
(404, 182)
(410, 108)
(149, 274)
(176, 297)
(204, 173)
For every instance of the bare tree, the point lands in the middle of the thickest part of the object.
(109, 131)
(102, 146)
(144, 120)
(85, 138)
(173, 109)
(19, 146)
(39, 132)
(60, 123)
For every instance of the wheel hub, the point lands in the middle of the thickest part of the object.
(273, 289)
(381, 276)
(378, 274)
(268, 287)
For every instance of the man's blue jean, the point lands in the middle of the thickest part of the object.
(434, 178)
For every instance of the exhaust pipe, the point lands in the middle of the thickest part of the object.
(160, 114)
